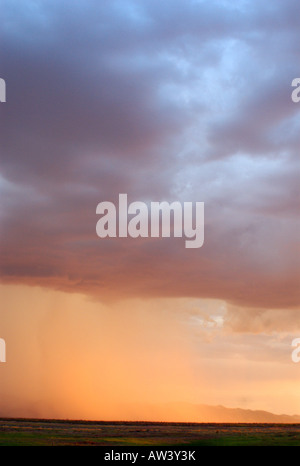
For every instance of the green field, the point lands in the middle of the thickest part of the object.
(22, 432)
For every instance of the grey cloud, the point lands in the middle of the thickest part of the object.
(160, 100)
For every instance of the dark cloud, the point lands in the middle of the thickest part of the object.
(163, 101)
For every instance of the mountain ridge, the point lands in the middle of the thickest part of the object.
(189, 412)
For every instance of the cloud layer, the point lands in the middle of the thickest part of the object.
(163, 101)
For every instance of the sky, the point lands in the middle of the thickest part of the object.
(165, 101)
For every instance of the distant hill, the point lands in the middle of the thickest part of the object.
(188, 412)
(179, 412)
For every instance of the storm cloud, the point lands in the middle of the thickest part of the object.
(187, 101)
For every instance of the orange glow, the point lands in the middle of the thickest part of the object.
(70, 357)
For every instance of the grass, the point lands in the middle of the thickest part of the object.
(20, 432)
